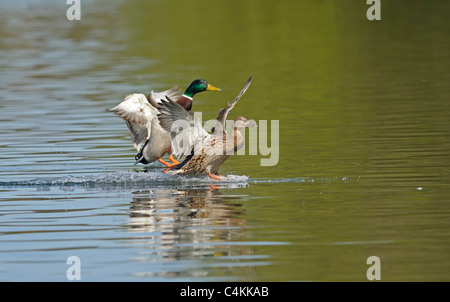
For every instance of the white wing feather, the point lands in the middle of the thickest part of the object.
(138, 113)
(155, 97)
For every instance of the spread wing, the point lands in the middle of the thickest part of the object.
(155, 97)
(220, 125)
(138, 113)
(186, 131)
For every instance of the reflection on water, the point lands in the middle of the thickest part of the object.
(189, 224)
(153, 208)
(363, 116)
(166, 232)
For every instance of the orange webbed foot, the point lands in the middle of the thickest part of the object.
(217, 176)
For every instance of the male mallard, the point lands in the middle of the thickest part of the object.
(204, 153)
(140, 114)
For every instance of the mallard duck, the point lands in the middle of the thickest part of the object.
(140, 113)
(204, 153)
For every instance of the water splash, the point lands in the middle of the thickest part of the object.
(156, 178)
(124, 178)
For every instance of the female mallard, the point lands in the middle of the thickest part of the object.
(140, 114)
(204, 153)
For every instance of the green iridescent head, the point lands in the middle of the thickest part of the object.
(199, 85)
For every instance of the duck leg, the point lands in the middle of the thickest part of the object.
(169, 166)
(167, 169)
(166, 163)
(176, 162)
(217, 176)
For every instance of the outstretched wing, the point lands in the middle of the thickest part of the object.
(138, 114)
(220, 125)
(186, 131)
(155, 97)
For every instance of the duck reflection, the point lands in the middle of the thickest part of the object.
(156, 209)
(194, 224)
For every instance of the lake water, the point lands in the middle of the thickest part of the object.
(363, 166)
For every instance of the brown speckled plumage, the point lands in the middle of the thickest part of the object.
(214, 152)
